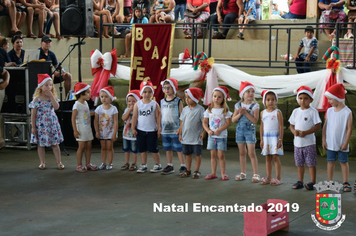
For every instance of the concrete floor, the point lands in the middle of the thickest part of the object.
(52, 202)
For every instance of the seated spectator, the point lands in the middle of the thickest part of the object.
(98, 6)
(212, 6)
(163, 11)
(249, 15)
(113, 6)
(7, 7)
(332, 11)
(96, 19)
(276, 13)
(127, 11)
(351, 16)
(35, 10)
(144, 5)
(52, 9)
(17, 54)
(297, 9)
(226, 13)
(258, 9)
(20, 15)
(4, 82)
(181, 5)
(202, 10)
(4, 58)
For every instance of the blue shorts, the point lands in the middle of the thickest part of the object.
(246, 133)
(147, 141)
(129, 146)
(197, 149)
(217, 144)
(171, 142)
(331, 156)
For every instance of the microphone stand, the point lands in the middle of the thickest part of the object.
(59, 68)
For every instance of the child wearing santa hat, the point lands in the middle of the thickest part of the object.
(191, 131)
(304, 122)
(171, 108)
(337, 132)
(46, 130)
(129, 144)
(82, 126)
(146, 126)
(106, 124)
(246, 115)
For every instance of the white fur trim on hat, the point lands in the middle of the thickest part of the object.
(328, 94)
(44, 81)
(106, 91)
(265, 94)
(147, 86)
(191, 96)
(82, 90)
(171, 83)
(227, 97)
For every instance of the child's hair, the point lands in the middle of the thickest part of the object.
(3, 41)
(81, 94)
(305, 94)
(38, 92)
(264, 104)
(242, 99)
(135, 19)
(224, 104)
(104, 116)
(309, 29)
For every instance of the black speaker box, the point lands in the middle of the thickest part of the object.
(76, 17)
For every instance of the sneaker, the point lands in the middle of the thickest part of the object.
(167, 170)
(240, 35)
(102, 166)
(142, 169)
(216, 35)
(182, 169)
(156, 168)
(109, 166)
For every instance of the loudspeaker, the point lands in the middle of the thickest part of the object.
(76, 18)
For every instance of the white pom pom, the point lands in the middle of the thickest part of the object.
(295, 91)
(144, 82)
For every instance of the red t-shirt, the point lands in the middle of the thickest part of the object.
(299, 7)
(231, 7)
(197, 3)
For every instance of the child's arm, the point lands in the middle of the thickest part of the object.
(261, 133)
(224, 127)
(96, 125)
(134, 120)
(54, 102)
(126, 115)
(201, 136)
(74, 125)
(310, 54)
(316, 127)
(33, 121)
(293, 130)
(158, 119)
(348, 132)
(236, 116)
(324, 144)
(180, 130)
(254, 118)
(180, 107)
(206, 126)
(297, 53)
(280, 127)
(116, 127)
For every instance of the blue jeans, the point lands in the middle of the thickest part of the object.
(290, 15)
(217, 144)
(305, 64)
(179, 10)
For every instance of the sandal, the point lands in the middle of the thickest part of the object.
(60, 166)
(125, 167)
(355, 187)
(241, 176)
(197, 174)
(210, 176)
(309, 186)
(81, 169)
(298, 185)
(133, 167)
(91, 167)
(32, 36)
(12, 33)
(276, 182)
(188, 36)
(346, 187)
(225, 177)
(256, 178)
(42, 166)
(265, 181)
(185, 174)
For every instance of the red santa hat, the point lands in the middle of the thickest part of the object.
(337, 92)
(110, 91)
(80, 87)
(173, 83)
(264, 94)
(224, 90)
(245, 85)
(146, 84)
(304, 89)
(195, 94)
(135, 93)
(42, 79)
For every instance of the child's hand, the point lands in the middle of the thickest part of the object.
(296, 132)
(279, 144)
(344, 146)
(134, 132)
(325, 146)
(261, 144)
(201, 136)
(307, 59)
(76, 134)
(34, 131)
(243, 111)
(159, 132)
(97, 135)
(48, 93)
(180, 138)
(177, 132)
(302, 134)
(113, 138)
(211, 133)
(217, 132)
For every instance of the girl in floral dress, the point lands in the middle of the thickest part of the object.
(46, 130)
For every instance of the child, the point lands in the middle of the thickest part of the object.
(249, 15)
(246, 115)
(304, 122)
(129, 140)
(271, 136)
(337, 132)
(147, 118)
(171, 108)
(191, 130)
(217, 119)
(311, 51)
(82, 126)
(106, 125)
(46, 130)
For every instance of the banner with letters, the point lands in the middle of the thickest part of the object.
(151, 54)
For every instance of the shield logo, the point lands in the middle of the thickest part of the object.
(328, 208)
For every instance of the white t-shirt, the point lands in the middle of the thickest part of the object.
(304, 120)
(127, 132)
(146, 120)
(336, 128)
(82, 121)
(106, 121)
(247, 106)
(216, 120)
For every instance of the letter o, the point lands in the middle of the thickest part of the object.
(259, 209)
(149, 42)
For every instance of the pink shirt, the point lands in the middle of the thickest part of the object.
(198, 3)
(299, 7)
(231, 7)
(127, 3)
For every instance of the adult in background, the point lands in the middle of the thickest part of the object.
(17, 54)
(4, 59)
(351, 16)
(163, 12)
(212, 6)
(226, 13)
(297, 9)
(200, 8)
(48, 55)
(332, 11)
(4, 82)
(258, 9)
(181, 5)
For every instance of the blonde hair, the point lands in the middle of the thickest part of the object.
(38, 91)
(104, 116)
(224, 104)
(242, 99)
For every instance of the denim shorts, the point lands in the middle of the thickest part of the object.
(147, 141)
(246, 133)
(196, 149)
(217, 144)
(171, 142)
(129, 146)
(331, 156)
(304, 155)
